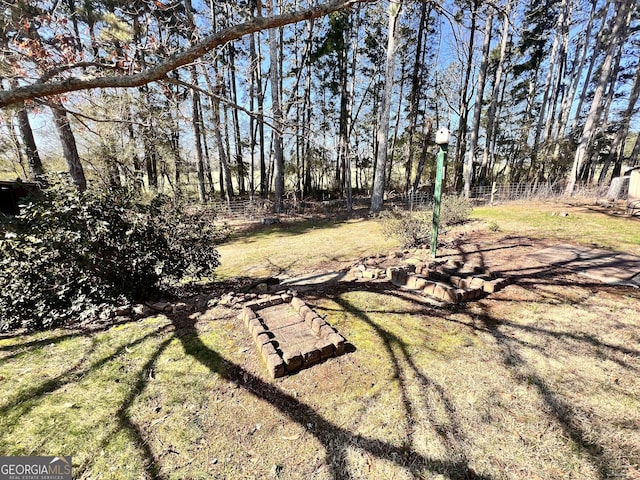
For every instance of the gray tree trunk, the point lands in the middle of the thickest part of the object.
(69, 147)
(461, 143)
(382, 135)
(274, 82)
(618, 31)
(414, 96)
(617, 147)
(495, 93)
(36, 171)
(477, 109)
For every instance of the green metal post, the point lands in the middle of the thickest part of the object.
(442, 156)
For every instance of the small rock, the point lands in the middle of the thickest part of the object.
(122, 310)
(227, 299)
(181, 307)
(564, 214)
(276, 470)
(160, 306)
(212, 303)
(413, 261)
(141, 309)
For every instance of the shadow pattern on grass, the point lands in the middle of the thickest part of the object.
(336, 439)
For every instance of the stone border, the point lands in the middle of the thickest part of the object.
(448, 284)
(330, 343)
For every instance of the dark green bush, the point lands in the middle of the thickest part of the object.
(414, 229)
(67, 252)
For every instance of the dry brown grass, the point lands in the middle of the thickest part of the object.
(538, 381)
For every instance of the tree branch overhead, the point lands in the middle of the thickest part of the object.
(185, 57)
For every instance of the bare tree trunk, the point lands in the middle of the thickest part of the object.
(635, 153)
(13, 135)
(150, 156)
(342, 119)
(349, 114)
(553, 66)
(396, 127)
(563, 25)
(616, 153)
(256, 73)
(195, 105)
(423, 154)
(414, 96)
(195, 113)
(175, 148)
(36, 171)
(461, 144)
(225, 171)
(477, 109)
(236, 119)
(587, 80)
(495, 93)
(69, 147)
(307, 121)
(618, 32)
(274, 82)
(382, 135)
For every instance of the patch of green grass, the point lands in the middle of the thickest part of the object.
(584, 225)
(298, 246)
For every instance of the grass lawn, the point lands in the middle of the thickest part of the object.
(538, 381)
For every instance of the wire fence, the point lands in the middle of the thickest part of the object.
(258, 209)
(509, 192)
(243, 209)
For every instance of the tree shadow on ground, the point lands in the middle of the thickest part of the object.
(335, 439)
(565, 413)
(27, 399)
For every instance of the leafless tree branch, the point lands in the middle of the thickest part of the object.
(177, 60)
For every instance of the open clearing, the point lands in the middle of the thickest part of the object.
(538, 381)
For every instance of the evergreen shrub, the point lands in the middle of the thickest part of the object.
(66, 253)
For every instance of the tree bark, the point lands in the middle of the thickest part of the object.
(276, 106)
(477, 109)
(36, 171)
(616, 153)
(226, 189)
(414, 96)
(382, 135)
(423, 154)
(236, 120)
(69, 146)
(495, 94)
(461, 144)
(617, 35)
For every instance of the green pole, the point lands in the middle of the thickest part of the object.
(442, 155)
